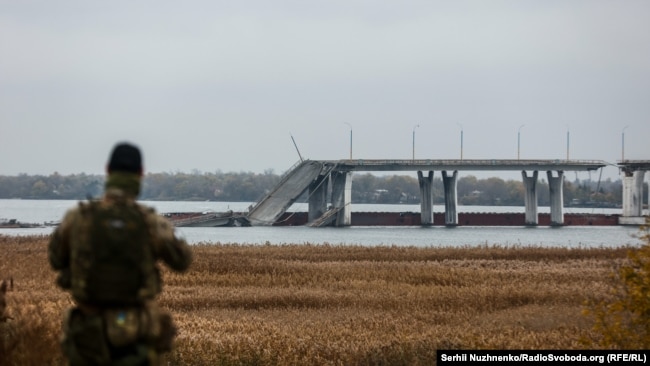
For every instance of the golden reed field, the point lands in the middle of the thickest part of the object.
(336, 305)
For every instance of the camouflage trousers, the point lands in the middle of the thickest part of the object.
(117, 336)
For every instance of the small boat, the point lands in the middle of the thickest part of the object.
(15, 224)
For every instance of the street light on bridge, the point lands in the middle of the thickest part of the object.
(519, 141)
(350, 139)
(568, 136)
(623, 143)
(414, 127)
(461, 140)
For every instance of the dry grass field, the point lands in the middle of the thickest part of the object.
(336, 305)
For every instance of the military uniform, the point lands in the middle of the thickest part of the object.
(116, 320)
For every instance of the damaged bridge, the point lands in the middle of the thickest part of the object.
(292, 185)
(329, 185)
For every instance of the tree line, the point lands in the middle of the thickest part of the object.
(251, 187)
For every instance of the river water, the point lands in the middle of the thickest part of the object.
(42, 211)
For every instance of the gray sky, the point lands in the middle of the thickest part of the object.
(221, 85)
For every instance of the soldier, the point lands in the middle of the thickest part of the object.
(106, 252)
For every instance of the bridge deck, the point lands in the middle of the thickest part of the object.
(466, 164)
(630, 166)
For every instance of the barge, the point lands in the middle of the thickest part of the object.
(213, 219)
(230, 219)
(464, 219)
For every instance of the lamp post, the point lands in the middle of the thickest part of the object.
(519, 141)
(568, 137)
(461, 140)
(350, 139)
(623, 143)
(414, 127)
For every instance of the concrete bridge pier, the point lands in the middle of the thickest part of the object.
(426, 198)
(318, 190)
(342, 197)
(633, 193)
(530, 197)
(556, 191)
(450, 183)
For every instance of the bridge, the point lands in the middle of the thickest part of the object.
(317, 176)
(633, 177)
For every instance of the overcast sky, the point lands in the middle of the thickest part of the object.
(223, 85)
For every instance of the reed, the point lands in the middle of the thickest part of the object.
(337, 305)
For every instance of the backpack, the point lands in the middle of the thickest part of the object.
(113, 257)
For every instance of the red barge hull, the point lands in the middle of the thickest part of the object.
(464, 219)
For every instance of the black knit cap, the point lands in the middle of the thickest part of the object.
(125, 158)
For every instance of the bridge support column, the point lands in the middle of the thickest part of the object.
(451, 197)
(318, 197)
(556, 191)
(530, 197)
(342, 197)
(633, 194)
(426, 198)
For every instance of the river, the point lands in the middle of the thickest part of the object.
(42, 211)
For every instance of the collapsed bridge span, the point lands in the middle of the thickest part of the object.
(296, 181)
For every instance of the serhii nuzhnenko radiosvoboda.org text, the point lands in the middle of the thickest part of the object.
(558, 356)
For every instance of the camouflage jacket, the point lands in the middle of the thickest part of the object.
(174, 252)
